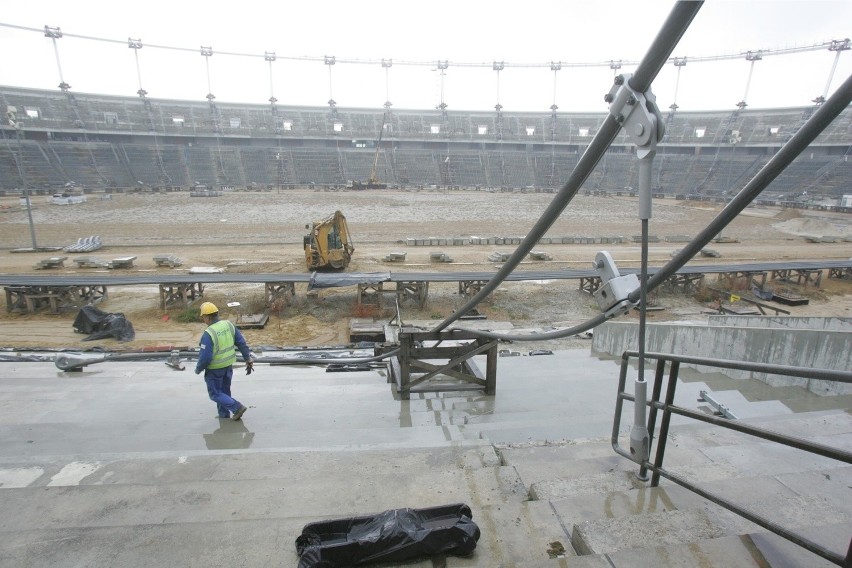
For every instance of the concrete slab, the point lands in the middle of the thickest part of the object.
(730, 552)
(125, 463)
(574, 510)
(604, 536)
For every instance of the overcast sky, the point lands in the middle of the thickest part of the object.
(460, 32)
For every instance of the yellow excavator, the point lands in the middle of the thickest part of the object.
(328, 245)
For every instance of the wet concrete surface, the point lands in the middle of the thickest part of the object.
(126, 463)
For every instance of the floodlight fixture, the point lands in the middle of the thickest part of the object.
(54, 34)
(754, 55)
(679, 61)
(206, 51)
(498, 66)
(443, 64)
(136, 45)
(329, 60)
(615, 65)
(269, 56)
(840, 44)
(556, 66)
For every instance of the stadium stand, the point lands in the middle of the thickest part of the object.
(50, 139)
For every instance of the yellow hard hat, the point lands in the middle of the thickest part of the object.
(208, 308)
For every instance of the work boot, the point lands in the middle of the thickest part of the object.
(239, 413)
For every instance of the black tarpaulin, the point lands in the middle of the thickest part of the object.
(339, 279)
(99, 325)
(394, 535)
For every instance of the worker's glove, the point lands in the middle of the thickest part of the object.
(249, 367)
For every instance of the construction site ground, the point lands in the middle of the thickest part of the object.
(261, 232)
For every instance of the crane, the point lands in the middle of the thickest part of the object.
(373, 180)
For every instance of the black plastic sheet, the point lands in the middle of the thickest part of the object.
(339, 279)
(394, 535)
(99, 324)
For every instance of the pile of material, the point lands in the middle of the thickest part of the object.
(85, 244)
(99, 325)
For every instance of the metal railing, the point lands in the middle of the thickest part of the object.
(668, 407)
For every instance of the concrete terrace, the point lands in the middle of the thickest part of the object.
(124, 464)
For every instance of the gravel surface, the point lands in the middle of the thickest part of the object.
(262, 233)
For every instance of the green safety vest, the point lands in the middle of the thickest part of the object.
(224, 353)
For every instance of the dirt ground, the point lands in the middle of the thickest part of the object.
(262, 233)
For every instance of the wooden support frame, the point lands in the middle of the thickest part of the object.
(274, 291)
(414, 370)
(685, 282)
(752, 278)
(414, 291)
(54, 299)
(371, 294)
(840, 273)
(803, 276)
(590, 284)
(181, 294)
(469, 288)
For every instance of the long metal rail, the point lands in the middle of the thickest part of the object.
(668, 407)
(353, 278)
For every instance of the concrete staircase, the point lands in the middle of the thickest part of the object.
(610, 514)
(133, 470)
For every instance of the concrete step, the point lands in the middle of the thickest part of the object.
(804, 499)
(552, 430)
(698, 452)
(134, 500)
(610, 512)
(677, 538)
(603, 536)
(742, 551)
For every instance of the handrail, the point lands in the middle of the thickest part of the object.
(667, 407)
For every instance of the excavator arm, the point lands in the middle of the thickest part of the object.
(328, 245)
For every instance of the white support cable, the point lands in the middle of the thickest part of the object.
(484, 64)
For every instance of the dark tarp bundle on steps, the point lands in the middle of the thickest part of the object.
(99, 324)
(394, 535)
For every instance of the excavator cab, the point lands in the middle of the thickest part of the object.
(328, 244)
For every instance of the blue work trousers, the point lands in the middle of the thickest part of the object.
(219, 388)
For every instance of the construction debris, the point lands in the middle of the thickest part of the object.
(52, 262)
(90, 262)
(85, 244)
(499, 256)
(538, 255)
(169, 260)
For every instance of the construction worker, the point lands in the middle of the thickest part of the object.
(219, 343)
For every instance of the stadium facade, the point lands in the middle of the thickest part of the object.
(54, 139)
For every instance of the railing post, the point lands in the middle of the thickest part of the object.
(664, 423)
(652, 414)
(619, 400)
